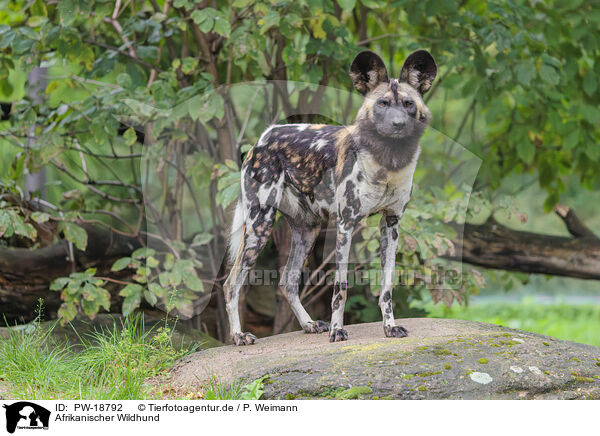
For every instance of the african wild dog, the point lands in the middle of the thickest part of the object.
(309, 171)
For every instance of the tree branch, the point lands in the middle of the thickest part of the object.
(574, 225)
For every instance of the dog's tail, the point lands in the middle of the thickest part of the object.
(236, 237)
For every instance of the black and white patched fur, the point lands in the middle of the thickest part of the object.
(310, 171)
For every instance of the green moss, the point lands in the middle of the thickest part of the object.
(422, 388)
(407, 376)
(597, 363)
(574, 359)
(547, 372)
(483, 360)
(442, 352)
(447, 366)
(353, 393)
(428, 374)
(584, 379)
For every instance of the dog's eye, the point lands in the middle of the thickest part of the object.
(382, 102)
(408, 104)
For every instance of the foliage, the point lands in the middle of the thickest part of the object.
(140, 121)
(174, 282)
(81, 290)
(215, 390)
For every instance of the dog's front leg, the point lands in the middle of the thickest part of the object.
(388, 244)
(340, 286)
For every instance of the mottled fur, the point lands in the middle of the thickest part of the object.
(310, 172)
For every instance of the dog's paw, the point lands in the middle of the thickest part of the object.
(338, 335)
(316, 327)
(395, 331)
(244, 338)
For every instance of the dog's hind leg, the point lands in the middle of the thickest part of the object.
(256, 232)
(302, 241)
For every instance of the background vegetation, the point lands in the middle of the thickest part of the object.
(125, 123)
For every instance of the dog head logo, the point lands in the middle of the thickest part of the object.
(26, 415)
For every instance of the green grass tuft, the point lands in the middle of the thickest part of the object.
(110, 364)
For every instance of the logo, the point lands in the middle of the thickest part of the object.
(26, 415)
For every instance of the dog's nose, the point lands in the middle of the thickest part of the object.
(398, 124)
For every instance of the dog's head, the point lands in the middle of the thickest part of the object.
(393, 108)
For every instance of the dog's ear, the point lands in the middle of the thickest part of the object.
(367, 71)
(419, 70)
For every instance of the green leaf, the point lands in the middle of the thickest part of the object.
(149, 53)
(150, 297)
(590, 113)
(131, 289)
(89, 292)
(130, 303)
(551, 201)
(152, 262)
(549, 74)
(373, 4)
(192, 281)
(590, 83)
(67, 312)
(22, 228)
(202, 239)
(525, 72)
(30, 33)
(271, 19)
(121, 264)
(130, 136)
(165, 279)
(222, 26)
(226, 196)
(526, 150)
(104, 298)
(90, 307)
(188, 65)
(169, 261)
(68, 10)
(75, 234)
(347, 5)
(59, 283)
(254, 390)
(571, 140)
(157, 290)
(40, 217)
(143, 252)
(204, 18)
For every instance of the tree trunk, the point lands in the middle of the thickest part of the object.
(493, 245)
(26, 274)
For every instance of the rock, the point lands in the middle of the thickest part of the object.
(441, 359)
(82, 328)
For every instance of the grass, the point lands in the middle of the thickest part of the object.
(572, 322)
(112, 364)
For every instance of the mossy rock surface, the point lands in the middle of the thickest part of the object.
(441, 359)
